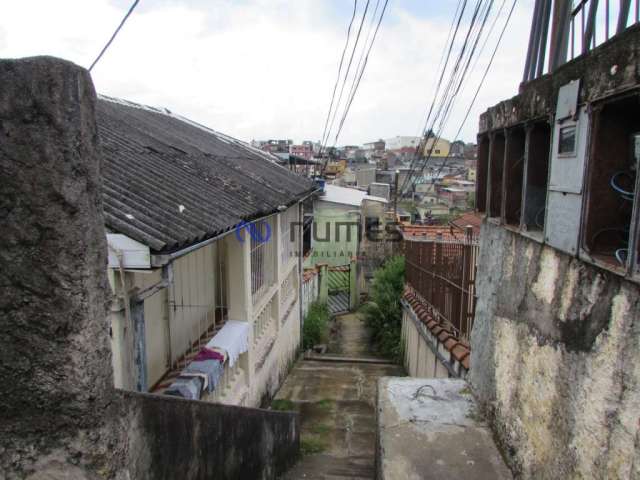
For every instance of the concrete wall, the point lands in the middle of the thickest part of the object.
(419, 357)
(429, 350)
(171, 438)
(555, 360)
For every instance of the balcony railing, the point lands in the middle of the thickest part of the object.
(443, 273)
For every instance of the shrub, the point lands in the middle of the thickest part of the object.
(316, 325)
(384, 312)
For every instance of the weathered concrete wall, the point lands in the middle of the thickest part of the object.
(555, 360)
(171, 438)
(420, 347)
(56, 393)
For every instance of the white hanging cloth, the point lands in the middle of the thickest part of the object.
(233, 337)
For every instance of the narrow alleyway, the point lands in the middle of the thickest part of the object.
(335, 395)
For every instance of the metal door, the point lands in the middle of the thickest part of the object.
(339, 289)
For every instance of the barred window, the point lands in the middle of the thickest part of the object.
(262, 257)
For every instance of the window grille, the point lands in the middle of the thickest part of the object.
(262, 257)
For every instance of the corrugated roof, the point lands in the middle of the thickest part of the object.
(169, 182)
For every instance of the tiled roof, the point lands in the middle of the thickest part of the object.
(169, 182)
(459, 349)
(470, 218)
(431, 232)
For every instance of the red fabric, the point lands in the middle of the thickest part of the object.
(206, 354)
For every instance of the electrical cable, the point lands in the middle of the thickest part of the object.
(346, 73)
(359, 78)
(495, 50)
(131, 9)
(455, 78)
(335, 87)
(459, 13)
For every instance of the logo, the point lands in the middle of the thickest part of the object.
(260, 232)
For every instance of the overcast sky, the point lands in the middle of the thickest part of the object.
(265, 68)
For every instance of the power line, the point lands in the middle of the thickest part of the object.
(131, 9)
(455, 78)
(459, 13)
(442, 124)
(364, 65)
(358, 73)
(335, 87)
(446, 92)
(346, 74)
(484, 76)
(458, 80)
(364, 49)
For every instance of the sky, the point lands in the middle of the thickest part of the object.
(259, 69)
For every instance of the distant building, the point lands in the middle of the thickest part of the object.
(304, 150)
(457, 149)
(272, 146)
(470, 151)
(374, 150)
(365, 177)
(382, 190)
(436, 147)
(400, 142)
(338, 216)
(471, 174)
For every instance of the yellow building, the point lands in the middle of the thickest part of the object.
(336, 168)
(440, 149)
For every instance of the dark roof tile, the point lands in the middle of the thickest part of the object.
(169, 182)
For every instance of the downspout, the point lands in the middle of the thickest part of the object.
(131, 353)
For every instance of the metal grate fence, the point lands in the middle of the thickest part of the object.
(443, 273)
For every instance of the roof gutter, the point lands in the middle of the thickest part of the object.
(163, 259)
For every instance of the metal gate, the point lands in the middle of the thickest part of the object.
(339, 289)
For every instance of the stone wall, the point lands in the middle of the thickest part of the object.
(56, 393)
(555, 360)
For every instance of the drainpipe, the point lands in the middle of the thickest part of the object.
(128, 322)
(167, 277)
(140, 351)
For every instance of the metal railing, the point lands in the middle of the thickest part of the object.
(443, 273)
(593, 22)
(566, 29)
(262, 257)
